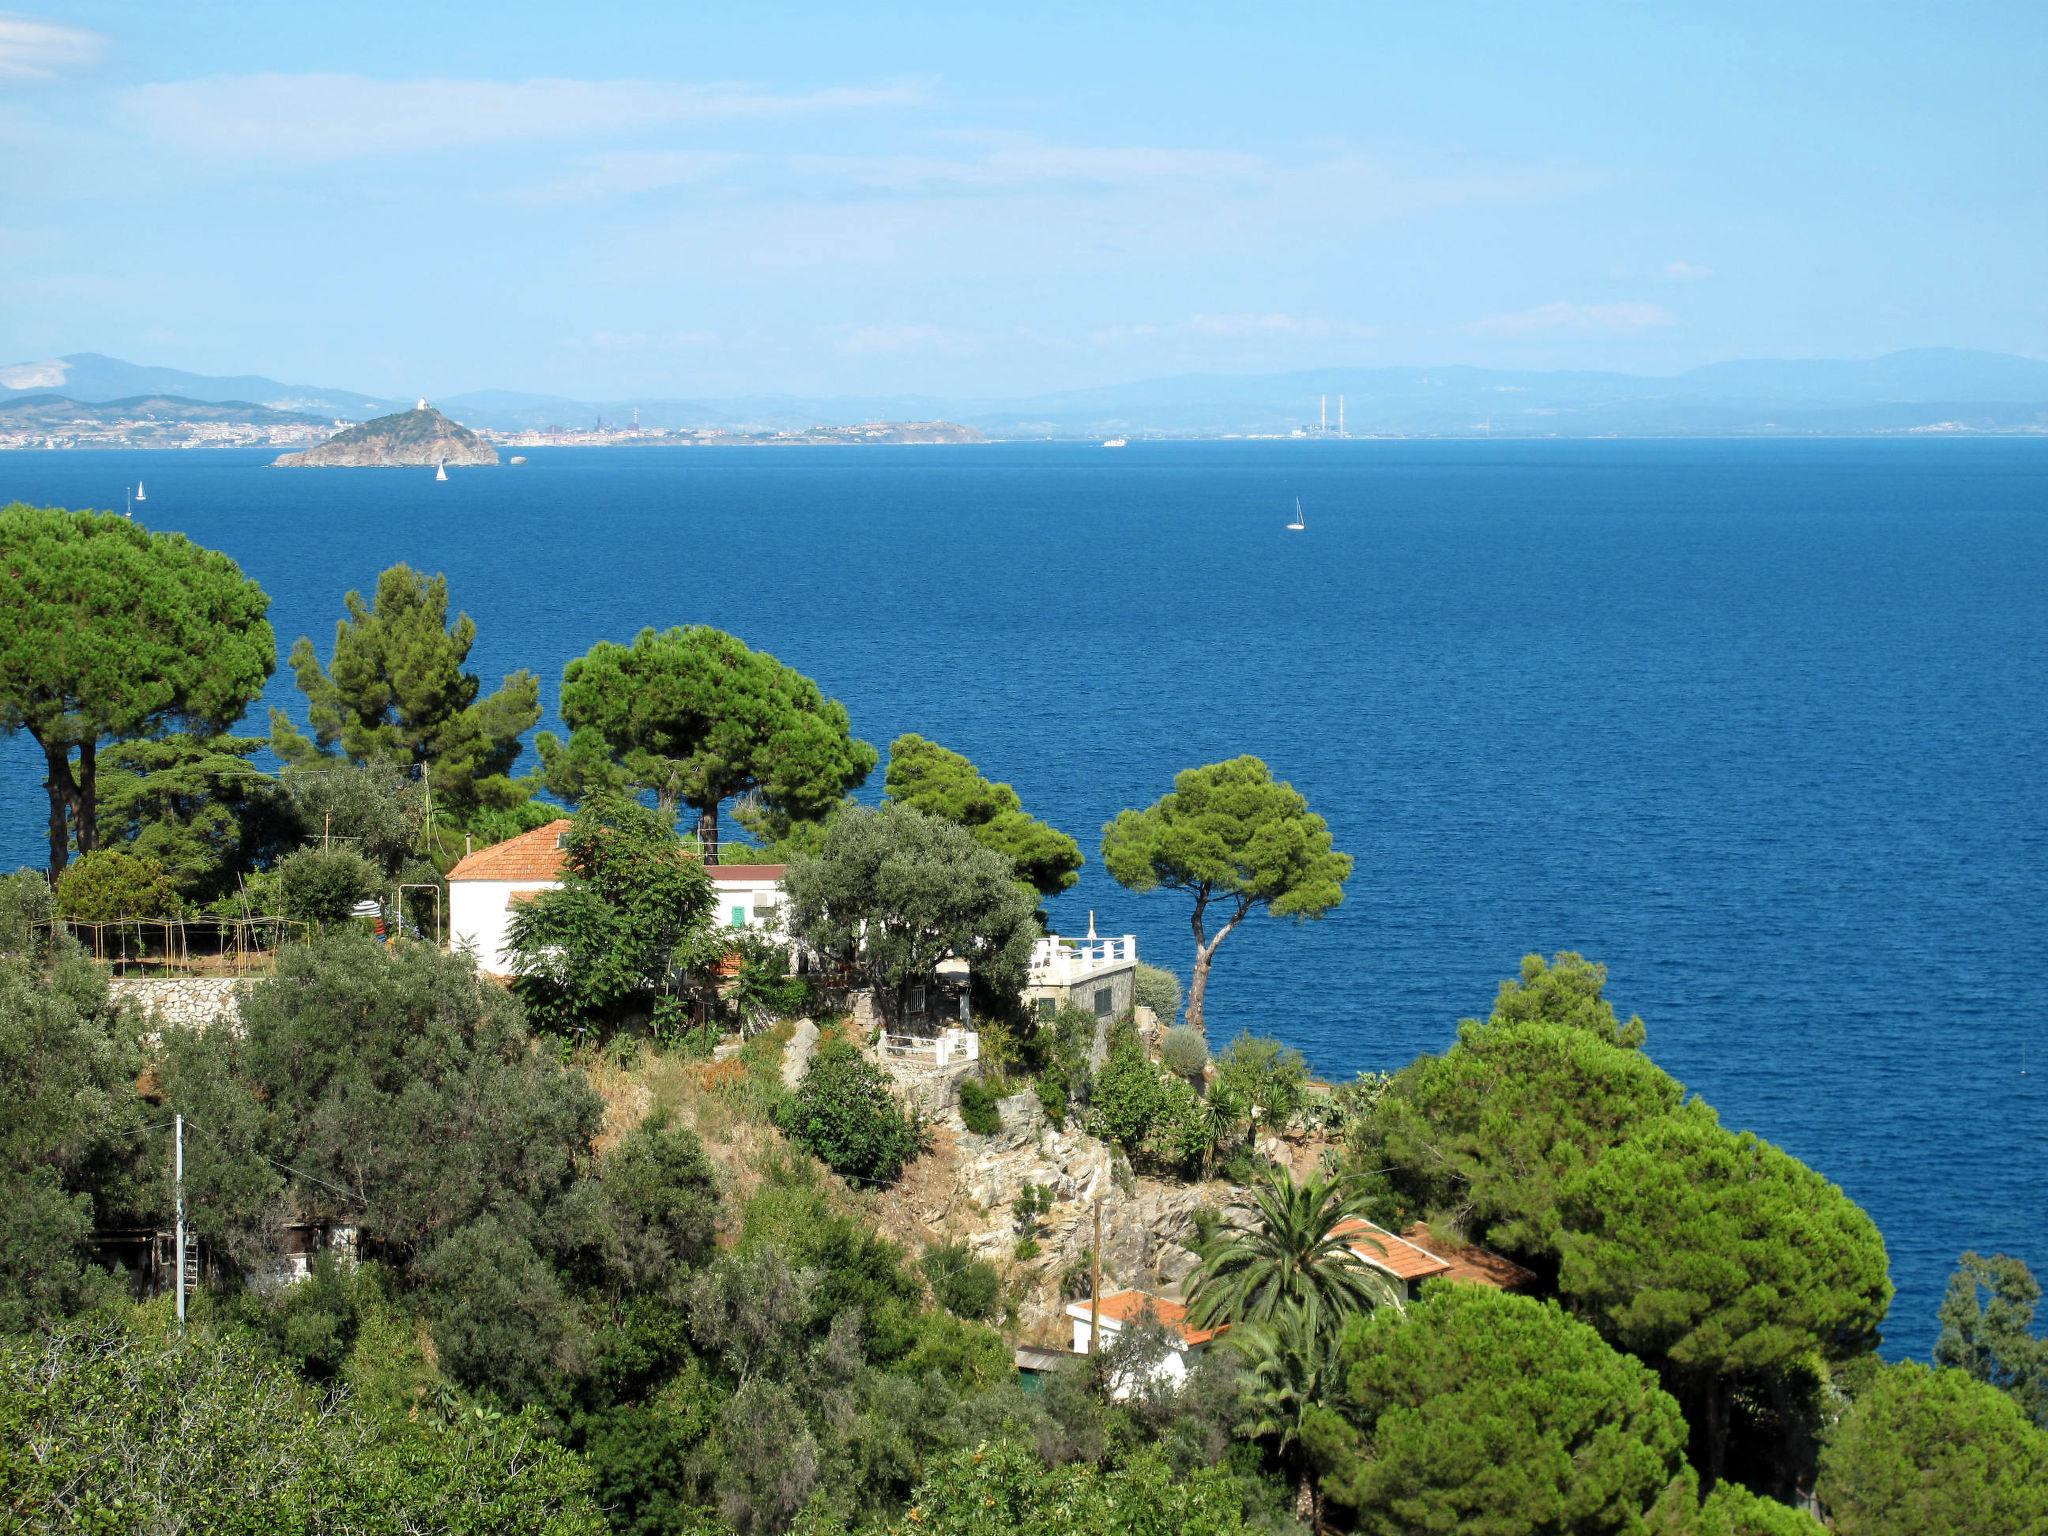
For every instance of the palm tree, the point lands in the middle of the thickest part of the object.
(1291, 1256)
(1287, 1367)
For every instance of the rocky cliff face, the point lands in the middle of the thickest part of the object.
(418, 439)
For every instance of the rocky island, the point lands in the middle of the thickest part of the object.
(419, 438)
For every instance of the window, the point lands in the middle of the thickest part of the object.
(1046, 1007)
(915, 1001)
(739, 917)
(1104, 998)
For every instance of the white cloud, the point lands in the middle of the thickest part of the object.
(1560, 315)
(42, 50)
(344, 117)
(1687, 271)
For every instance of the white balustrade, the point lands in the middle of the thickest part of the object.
(1058, 962)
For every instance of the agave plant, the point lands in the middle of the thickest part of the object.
(1291, 1256)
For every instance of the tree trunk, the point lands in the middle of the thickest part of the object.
(63, 791)
(707, 834)
(1716, 1395)
(1198, 985)
(1305, 1500)
(85, 808)
(1205, 952)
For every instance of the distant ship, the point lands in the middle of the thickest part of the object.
(140, 493)
(440, 471)
(1114, 442)
(1297, 525)
(518, 458)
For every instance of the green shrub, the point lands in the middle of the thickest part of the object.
(1181, 1136)
(965, 1286)
(25, 900)
(1268, 1077)
(313, 1324)
(1185, 1052)
(1158, 990)
(108, 883)
(1051, 1086)
(323, 885)
(1026, 1250)
(845, 1115)
(139, 1431)
(1128, 1093)
(978, 1107)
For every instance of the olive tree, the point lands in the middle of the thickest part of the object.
(110, 631)
(1228, 836)
(891, 892)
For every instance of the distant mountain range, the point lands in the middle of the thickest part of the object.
(37, 409)
(1928, 390)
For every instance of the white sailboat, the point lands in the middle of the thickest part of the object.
(1297, 525)
(140, 493)
(440, 471)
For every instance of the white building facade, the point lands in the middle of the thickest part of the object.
(490, 884)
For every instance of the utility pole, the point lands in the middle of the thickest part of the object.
(1094, 1290)
(178, 1182)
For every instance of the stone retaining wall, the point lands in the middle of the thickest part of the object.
(182, 1001)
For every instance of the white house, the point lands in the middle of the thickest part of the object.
(1098, 976)
(1121, 1308)
(487, 885)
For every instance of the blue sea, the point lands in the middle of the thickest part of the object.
(1759, 724)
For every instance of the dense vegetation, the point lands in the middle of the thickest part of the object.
(584, 1260)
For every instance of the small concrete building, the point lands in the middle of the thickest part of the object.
(1123, 1308)
(1098, 976)
(487, 886)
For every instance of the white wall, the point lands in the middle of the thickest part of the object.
(479, 912)
(757, 900)
(1170, 1371)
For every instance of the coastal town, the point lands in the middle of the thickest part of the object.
(48, 422)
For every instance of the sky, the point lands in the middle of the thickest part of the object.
(682, 201)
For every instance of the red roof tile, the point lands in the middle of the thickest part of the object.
(1469, 1261)
(1381, 1249)
(535, 855)
(539, 855)
(1128, 1306)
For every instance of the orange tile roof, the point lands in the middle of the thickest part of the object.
(1402, 1259)
(535, 855)
(748, 871)
(1469, 1261)
(1128, 1306)
(539, 855)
